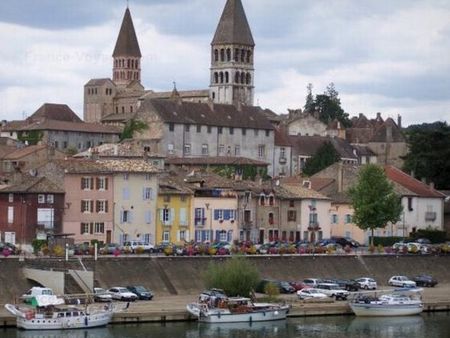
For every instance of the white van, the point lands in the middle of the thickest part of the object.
(36, 291)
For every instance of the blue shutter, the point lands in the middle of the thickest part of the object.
(216, 214)
(217, 235)
(151, 194)
(143, 194)
(121, 239)
(226, 214)
(229, 235)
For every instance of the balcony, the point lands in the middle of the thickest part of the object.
(430, 216)
(282, 160)
(200, 222)
(314, 226)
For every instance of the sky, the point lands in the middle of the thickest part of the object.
(383, 56)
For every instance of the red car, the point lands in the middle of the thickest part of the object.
(299, 285)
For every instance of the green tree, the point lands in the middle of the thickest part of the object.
(131, 127)
(309, 104)
(237, 276)
(429, 153)
(325, 156)
(374, 200)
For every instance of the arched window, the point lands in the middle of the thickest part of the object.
(131, 109)
(228, 54)
(222, 54)
(117, 110)
(128, 63)
(216, 77)
(248, 79)
(236, 55)
(249, 54)
(242, 55)
(236, 77)
(216, 55)
(213, 95)
(227, 79)
(221, 77)
(242, 77)
(132, 64)
(137, 64)
(123, 109)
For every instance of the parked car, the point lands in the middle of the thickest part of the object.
(366, 283)
(299, 285)
(423, 241)
(333, 290)
(109, 248)
(101, 295)
(11, 247)
(346, 284)
(311, 293)
(312, 282)
(283, 287)
(36, 291)
(141, 292)
(401, 281)
(122, 293)
(133, 245)
(344, 241)
(425, 280)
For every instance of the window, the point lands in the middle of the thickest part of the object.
(205, 149)
(231, 130)
(50, 198)
(87, 183)
(126, 216)
(86, 206)
(410, 207)
(99, 228)
(11, 198)
(147, 193)
(199, 215)
(291, 203)
(219, 130)
(221, 149)
(237, 150)
(271, 200)
(256, 132)
(209, 129)
(166, 236)
(199, 128)
(247, 216)
(262, 200)
(170, 148)
(84, 229)
(171, 126)
(148, 217)
(292, 215)
(165, 215)
(182, 235)
(102, 183)
(183, 198)
(334, 219)
(125, 176)
(41, 198)
(102, 206)
(148, 177)
(10, 215)
(267, 133)
(244, 131)
(348, 218)
(187, 128)
(282, 152)
(261, 151)
(187, 148)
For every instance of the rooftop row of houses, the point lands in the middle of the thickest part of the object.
(114, 200)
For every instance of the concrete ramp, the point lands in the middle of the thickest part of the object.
(47, 278)
(85, 279)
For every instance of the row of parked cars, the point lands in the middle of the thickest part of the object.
(129, 293)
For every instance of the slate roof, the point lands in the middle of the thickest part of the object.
(99, 82)
(13, 125)
(54, 111)
(309, 145)
(214, 160)
(72, 126)
(233, 27)
(362, 150)
(381, 133)
(226, 115)
(127, 43)
(417, 187)
(30, 184)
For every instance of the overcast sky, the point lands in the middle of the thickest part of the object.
(383, 56)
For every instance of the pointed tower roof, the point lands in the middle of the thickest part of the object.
(233, 26)
(127, 43)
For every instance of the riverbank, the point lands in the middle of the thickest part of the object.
(173, 308)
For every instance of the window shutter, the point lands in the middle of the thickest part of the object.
(143, 193)
(178, 236)
(97, 183)
(81, 206)
(230, 235)
(171, 216)
(121, 216)
(217, 236)
(81, 228)
(91, 185)
(106, 206)
(161, 215)
(81, 184)
(183, 220)
(91, 228)
(97, 206)
(91, 206)
(151, 194)
(216, 214)
(130, 216)
(106, 183)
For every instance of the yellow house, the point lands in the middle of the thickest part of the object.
(174, 204)
(341, 214)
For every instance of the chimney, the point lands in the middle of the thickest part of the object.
(412, 173)
(399, 121)
(424, 180)
(432, 185)
(378, 116)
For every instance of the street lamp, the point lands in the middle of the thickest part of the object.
(210, 222)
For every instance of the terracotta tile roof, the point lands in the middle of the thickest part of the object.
(30, 184)
(233, 27)
(25, 151)
(124, 149)
(73, 126)
(109, 166)
(183, 112)
(297, 191)
(5, 150)
(53, 111)
(14, 125)
(319, 183)
(173, 186)
(417, 187)
(214, 160)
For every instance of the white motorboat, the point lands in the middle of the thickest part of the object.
(237, 309)
(50, 313)
(400, 302)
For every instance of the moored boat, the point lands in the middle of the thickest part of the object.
(400, 302)
(50, 313)
(236, 310)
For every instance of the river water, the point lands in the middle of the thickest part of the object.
(435, 325)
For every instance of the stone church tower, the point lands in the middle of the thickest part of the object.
(232, 71)
(127, 54)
